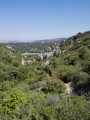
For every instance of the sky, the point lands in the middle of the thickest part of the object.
(28, 20)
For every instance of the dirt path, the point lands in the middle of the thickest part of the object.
(70, 88)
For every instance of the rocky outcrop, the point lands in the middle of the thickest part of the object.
(45, 56)
(49, 49)
(56, 53)
(47, 63)
(39, 57)
(50, 52)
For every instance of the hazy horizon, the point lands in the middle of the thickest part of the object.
(30, 20)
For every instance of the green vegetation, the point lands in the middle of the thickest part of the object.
(34, 47)
(35, 91)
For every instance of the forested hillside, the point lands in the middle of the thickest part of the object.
(35, 90)
(33, 47)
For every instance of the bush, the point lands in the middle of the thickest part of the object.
(72, 59)
(86, 66)
(84, 52)
(75, 108)
(4, 76)
(65, 73)
(49, 113)
(54, 87)
(6, 85)
(15, 63)
(41, 75)
(81, 80)
(47, 69)
(12, 103)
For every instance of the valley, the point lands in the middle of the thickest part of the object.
(45, 86)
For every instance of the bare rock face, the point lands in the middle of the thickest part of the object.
(57, 48)
(47, 62)
(51, 52)
(49, 49)
(56, 53)
(39, 57)
(64, 50)
(45, 56)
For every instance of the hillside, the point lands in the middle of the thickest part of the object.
(34, 47)
(55, 88)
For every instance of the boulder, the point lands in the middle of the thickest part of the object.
(56, 53)
(45, 56)
(39, 57)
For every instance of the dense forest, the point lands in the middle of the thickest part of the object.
(59, 90)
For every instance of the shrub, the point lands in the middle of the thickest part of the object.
(47, 69)
(82, 81)
(40, 75)
(75, 108)
(83, 52)
(6, 85)
(54, 87)
(15, 63)
(86, 66)
(12, 103)
(4, 76)
(65, 73)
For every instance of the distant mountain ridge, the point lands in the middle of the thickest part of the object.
(12, 42)
(50, 40)
(43, 40)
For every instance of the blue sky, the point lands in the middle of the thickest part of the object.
(27, 20)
